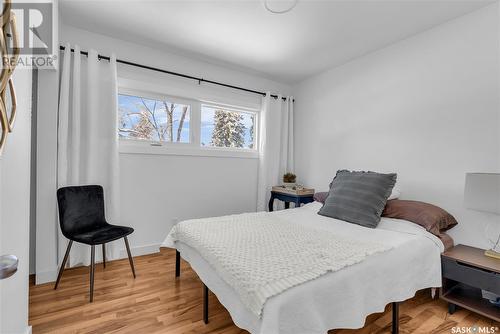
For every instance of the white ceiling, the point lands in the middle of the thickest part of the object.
(314, 36)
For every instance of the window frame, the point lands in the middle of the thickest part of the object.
(244, 110)
(194, 147)
(156, 96)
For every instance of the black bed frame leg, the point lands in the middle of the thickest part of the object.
(205, 304)
(395, 318)
(177, 263)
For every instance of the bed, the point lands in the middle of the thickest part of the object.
(339, 299)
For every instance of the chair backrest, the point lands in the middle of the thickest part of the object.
(81, 208)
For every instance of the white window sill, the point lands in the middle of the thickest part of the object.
(182, 149)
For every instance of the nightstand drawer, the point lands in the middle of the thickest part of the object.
(469, 275)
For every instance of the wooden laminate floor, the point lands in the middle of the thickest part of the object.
(157, 303)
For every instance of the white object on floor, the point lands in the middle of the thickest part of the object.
(262, 254)
(339, 299)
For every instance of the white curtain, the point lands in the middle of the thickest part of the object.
(87, 136)
(275, 145)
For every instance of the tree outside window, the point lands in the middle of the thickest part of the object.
(151, 119)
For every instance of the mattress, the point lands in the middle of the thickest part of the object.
(339, 299)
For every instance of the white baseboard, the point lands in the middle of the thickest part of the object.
(51, 275)
(28, 330)
(141, 250)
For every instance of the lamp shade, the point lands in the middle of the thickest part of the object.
(482, 192)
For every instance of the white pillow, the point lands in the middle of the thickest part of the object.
(396, 192)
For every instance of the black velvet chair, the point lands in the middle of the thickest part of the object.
(81, 216)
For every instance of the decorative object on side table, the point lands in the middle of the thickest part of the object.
(471, 280)
(482, 193)
(289, 180)
(298, 195)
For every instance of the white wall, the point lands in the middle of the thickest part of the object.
(14, 210)
(426, 108)
(155, 189)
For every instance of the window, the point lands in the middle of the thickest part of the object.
(152, 119)
(224, 127)
(153, 123)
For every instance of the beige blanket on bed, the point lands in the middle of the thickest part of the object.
(260, 254)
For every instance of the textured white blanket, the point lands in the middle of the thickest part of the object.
(260, 254)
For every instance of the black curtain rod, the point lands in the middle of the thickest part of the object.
(200, 80)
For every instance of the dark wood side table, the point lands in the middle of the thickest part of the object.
(466, 271)
(289, 198)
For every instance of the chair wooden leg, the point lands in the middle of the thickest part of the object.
(104, 255)
(129, 256)
(92, 269)
(63, 264)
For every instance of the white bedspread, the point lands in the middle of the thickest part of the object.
(340, 299)
(262, 254)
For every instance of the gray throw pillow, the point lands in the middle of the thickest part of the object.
(358, 197)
